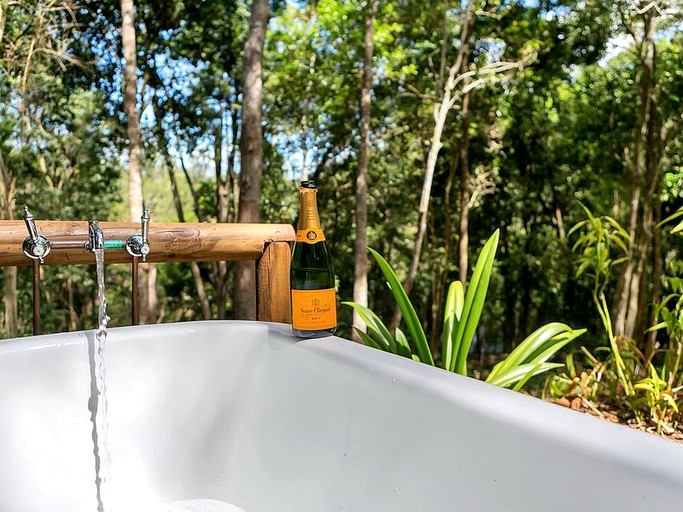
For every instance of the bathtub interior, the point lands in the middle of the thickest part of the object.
(241, 414)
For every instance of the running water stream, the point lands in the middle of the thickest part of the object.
(98, 398)
(98, 406)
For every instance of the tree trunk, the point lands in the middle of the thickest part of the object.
(657, 265)
(73, 316)
(510, 326)
(190, 184)
(626, 300)
(222, 206)
(251, 151)
(9, 299)
(9, 291)
(304, 116)
(441, 111)
(527, 283)
(233, 178)
(442, 268)
(149, 272)
(360, 282)
(130, 107)
(653, 171)
(222, 191)
(148, 302)
(463, 244)
(194, 266)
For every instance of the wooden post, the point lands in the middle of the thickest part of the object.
(273, 300)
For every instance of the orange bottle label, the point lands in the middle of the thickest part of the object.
(310, 236)
(314, 310)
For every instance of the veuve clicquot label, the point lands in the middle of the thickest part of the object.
(310, 236)
(314, 310)
(314, 304)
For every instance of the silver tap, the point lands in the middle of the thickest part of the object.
(95, 237)
(138, 245)
(35, 246)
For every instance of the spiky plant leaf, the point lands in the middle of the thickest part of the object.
(409, 315)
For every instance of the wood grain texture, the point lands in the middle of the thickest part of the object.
(180, 242)
(273, 299)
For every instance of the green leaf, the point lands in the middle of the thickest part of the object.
(374, 323)
(660, 325)
(367, 340)
(577, 226)
(510, 378)
(452, 315)
(671, 217)
(587, 211)
(569, 363)
(409, 315)
(620, 243)
(619, 261)
(474, 304)
(402, 345)
(582, 268)
(554, 345)
(526, 378)
(532, 344)
(669, 399)
(644, 384)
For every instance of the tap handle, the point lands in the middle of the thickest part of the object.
(145, 225)
(138, 245)
(30, 224)
(35, 246)
(144, 243)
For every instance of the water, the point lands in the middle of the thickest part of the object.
(98, 400)
(98, 407)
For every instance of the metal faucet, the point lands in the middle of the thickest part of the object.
(35, 246)
(138, 245)
(95, 237)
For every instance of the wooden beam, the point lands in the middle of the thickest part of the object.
(273, 299)
(176, 241)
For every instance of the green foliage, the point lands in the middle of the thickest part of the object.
(530, 357)
(594, 248)
(461, 318)
(678, 227)
(409, 315)
(663, 388)
(659, 398)
(598, 238)
(465, 322)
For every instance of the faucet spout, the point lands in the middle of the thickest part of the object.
(95, 237)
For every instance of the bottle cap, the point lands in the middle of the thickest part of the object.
(308, 184)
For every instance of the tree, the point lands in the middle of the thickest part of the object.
(360, 284)
(32, 37)
(148, 310)
(455, 82)
(251, 173)
(644, 160)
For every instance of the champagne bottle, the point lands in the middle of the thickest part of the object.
(314, 304)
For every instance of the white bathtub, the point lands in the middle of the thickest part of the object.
(242, 413)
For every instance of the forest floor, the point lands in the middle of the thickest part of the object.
(611, 414)
(603, 409)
